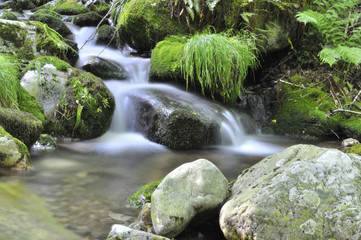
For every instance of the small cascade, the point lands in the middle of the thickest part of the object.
(137, 69)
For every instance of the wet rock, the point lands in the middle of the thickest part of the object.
(304, 192)
(189, 190)
(9, 16)
(126, 233)
(21, 125)
(104, 69)
(255, 106)
(106, 35)
(176, 123)
(145, 217)
(87, 19)
(13, 153)
(45, 142)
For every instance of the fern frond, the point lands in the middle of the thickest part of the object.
(329, 56)
(350, 54)
(310, 16)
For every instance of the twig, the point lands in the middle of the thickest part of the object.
(334, 112)
(288, 83)
(354, 100)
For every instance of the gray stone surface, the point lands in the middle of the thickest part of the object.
(126, 233)
(190, 189)
(10, 156)
(304, 192)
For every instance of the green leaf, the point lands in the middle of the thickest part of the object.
(309, 16)
(329, 56)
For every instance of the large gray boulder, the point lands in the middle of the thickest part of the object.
(189, 190)
(166, 118)
(304, 192)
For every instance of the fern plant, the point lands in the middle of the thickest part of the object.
(219, 63)
(338, 23)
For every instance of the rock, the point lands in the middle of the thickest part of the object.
(356, 149)
(304, 192)
(87, 19)
(52, 19)
(104, 69)
(106, 35)
(21, 125)
(189, 190)
(77, 104)
(254, 105)
(45, 142)
(143, 23)
(126, 233)
(13, 153)
(349, 142)
(166, 119)
(145, 217)
(32, 39)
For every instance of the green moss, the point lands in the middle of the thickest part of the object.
(22, 125)
(12, 36)
(28, 103)
(23, 150)
(303, 113)
(9, 16)
(41, 61)
(51, 42)
(351, 127)
(144, 194)
(143, 23)
(106, 35)
(52, 19)
(166, 60)
(69, 7)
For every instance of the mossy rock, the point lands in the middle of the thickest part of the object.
(9, 16)
(106, 36)
(85, 110)
(166, 60)
(52, 19)
(22, 125)
(143, 23)
(39, 62)
(69, 7)
(303, 113)
(13, 152)
(88, 19)
(28, 40)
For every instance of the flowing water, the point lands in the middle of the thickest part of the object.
(86, 184)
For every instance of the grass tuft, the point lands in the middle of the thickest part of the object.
(219, 62)
(9, 84)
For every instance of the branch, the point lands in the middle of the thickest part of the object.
(334, 112)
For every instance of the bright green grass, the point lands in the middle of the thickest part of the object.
(219, 63)
(9, 84)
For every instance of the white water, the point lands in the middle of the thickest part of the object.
(120, 135)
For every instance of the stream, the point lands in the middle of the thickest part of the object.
(86, 184)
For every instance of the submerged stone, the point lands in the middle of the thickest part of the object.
(126, 233)
(24, 215)
(304, 192)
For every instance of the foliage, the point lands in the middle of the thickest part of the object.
(338, 23)
(144, 194)
(9, 72)
(219, 62)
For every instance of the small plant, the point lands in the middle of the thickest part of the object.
(219, 62)
(144, 194)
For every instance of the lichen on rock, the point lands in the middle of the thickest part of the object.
(304, 192)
